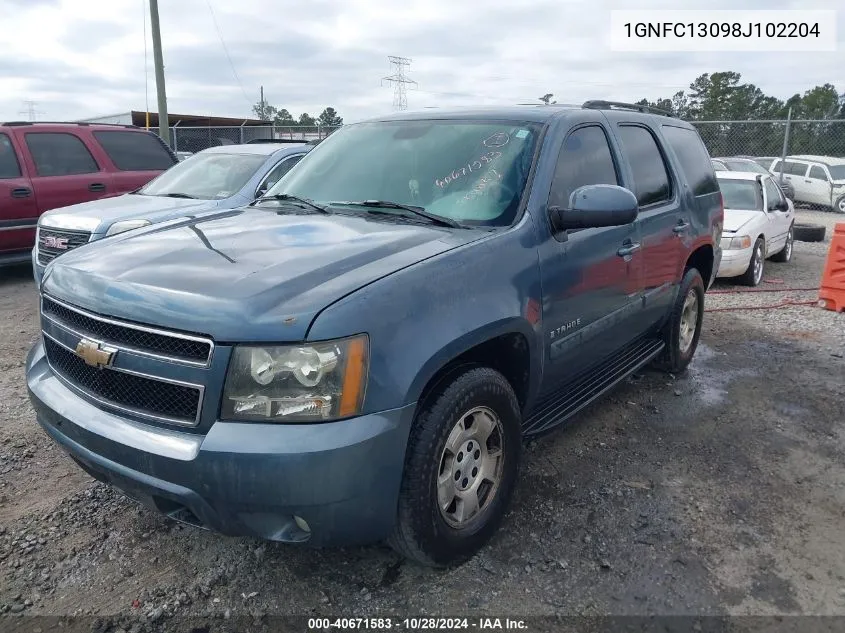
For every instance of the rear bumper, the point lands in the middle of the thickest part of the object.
(341, 478)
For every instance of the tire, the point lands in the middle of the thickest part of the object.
(753, 275)
(478, 398)
(784, 255)
(681, 342)
(839, 205)
(809, 232)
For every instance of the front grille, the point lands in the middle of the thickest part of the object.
(136, 337)
(146, 396)
(49, 241)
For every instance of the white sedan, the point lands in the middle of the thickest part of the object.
(758, 225)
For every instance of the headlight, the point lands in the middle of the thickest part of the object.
(736, 243)
(126, 225)
(297, 383)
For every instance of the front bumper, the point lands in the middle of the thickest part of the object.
(735, 262)
(341, 478)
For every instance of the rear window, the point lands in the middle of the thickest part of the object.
(134, 151)
(743, 195)
(60, 154)
(694, 159)
(9, 167)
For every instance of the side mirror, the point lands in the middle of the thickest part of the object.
(595, 206)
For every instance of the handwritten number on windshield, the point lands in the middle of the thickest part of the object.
(472, 166)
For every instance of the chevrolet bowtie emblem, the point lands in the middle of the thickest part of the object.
(94, 353)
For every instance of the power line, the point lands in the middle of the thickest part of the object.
(399, 81)
(31, 112)
(226, 50)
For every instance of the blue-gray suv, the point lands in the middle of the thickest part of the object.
(358, 356)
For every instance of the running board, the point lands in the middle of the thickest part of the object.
(557, 407)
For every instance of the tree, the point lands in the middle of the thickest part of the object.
(329, 118)
(264, 111)
(283, 117)
(306, 119)
(546, 98)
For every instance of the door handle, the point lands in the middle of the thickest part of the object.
(680, 227)
(628, 249)
(809, 182)
(21, 192)
(96, 186)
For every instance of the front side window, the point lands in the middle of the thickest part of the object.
(773, 193)
(60, 154)
(278, 171)
(743, 195)
(9, 167)
(818, 173)
(212, 176)
(837, 172)
(651, 175)
(585, 159)
(473, 172)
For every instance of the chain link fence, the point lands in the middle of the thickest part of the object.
(195, 139)
(766, 138)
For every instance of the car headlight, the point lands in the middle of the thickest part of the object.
(314, 382)
(736, 243)
(126, 225)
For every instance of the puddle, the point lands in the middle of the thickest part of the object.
(711, 383)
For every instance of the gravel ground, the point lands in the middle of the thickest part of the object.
(721, 491)
(815, 326)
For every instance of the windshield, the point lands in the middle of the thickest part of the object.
(746, 165)
(837, 172)
(206, 176)
(473, 172)
(741, 194)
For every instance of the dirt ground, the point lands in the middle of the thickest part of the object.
(721, 491)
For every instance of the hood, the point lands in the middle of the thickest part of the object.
(242, 275)
(97, 215)
(735, 219)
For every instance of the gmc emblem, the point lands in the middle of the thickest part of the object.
(50, 241)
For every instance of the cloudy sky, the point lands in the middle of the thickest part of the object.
(82, 58)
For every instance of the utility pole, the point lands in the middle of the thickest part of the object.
(30, 111)
(261, 116)
(399, 81)
(158, 61)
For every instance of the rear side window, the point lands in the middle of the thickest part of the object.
(60, 154)
(695, 162)
(9, 166)
(817, 173)
(134, 151)
(789, 167)
(651, 176)
(585, 159)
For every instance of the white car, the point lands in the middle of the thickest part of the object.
(818, 180)
(758, 225)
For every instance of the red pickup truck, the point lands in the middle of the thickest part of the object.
(45, 166)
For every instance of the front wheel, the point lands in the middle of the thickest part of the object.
(839, 206)
(460, 468)
(753, 275)
(785, 254)
(684, 326)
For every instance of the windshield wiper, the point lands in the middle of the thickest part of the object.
(419, 211)
(180, 195)
(286, 197)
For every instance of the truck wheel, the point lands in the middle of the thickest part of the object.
(839, 205)
(785, 254)
(753, 275)
(460, 468)
(684, 327)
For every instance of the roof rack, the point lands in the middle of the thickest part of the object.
(598, 104)
(81, 123)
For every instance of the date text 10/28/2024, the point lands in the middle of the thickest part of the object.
(416, 624)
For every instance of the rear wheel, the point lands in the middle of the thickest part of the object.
(785, 254)
(753, 275)
(684, 326)
(460, 468)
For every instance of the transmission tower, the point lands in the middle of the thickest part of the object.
(399, 81)
(31, 112)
